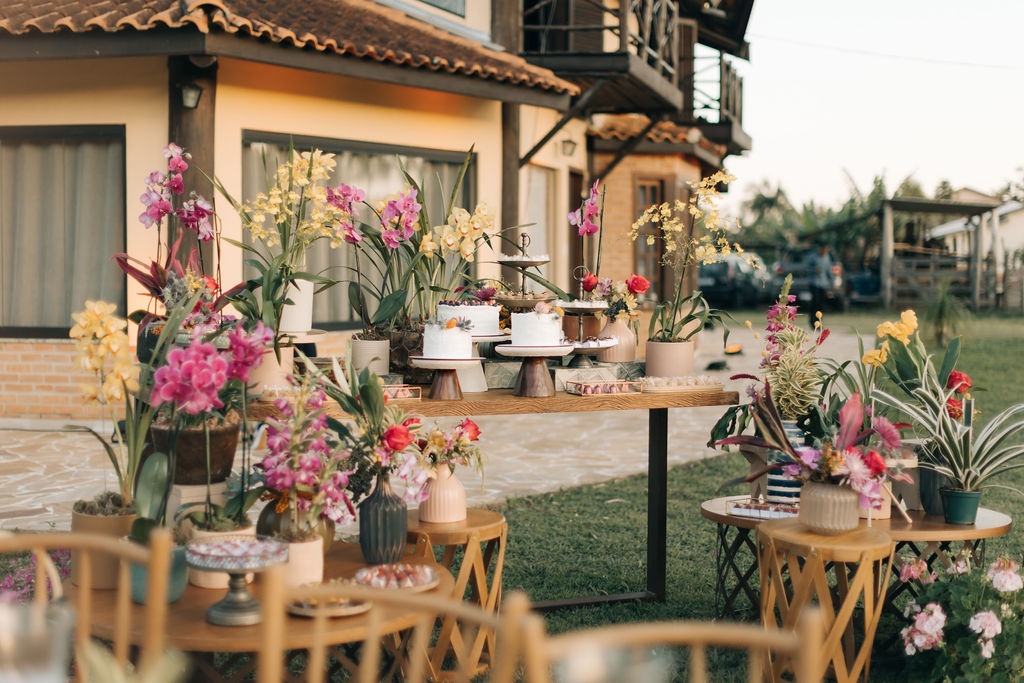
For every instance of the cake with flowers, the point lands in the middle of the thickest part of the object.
(451, 339)
(540, 327)
(482, 314)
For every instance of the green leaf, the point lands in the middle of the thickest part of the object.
(949, 360)
(389, 307)
(153, 483)
(372, 398)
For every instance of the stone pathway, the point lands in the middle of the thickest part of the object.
(43, 473)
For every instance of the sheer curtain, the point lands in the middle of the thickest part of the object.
(376, 173)
(538, 207)
(61, 219)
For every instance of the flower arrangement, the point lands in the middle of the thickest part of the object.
(682, 316)
(307, 466)
(457, 446)
(966, 625)
(901, 355)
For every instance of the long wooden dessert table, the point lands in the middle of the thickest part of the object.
(503, 402)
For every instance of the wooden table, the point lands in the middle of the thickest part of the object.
(926, 537)
(188, 630)
(481, 537)
(503, 402)
(794, 565)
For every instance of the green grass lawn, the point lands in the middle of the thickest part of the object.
(592, 539)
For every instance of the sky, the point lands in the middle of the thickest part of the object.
(932, 88)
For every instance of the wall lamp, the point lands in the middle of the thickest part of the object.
(190, 94)
(568, 147)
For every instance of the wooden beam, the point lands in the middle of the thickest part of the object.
(98, 44)
(578, 108)
(509, 175)
(977, 261)
(885, 265)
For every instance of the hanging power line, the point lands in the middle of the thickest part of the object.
(885, 55)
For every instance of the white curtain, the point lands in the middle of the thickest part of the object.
(538, 207)
(61, 220)
(379, 176)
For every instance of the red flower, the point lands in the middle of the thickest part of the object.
(955, 408)
(638, 284)
(470, 429)
(875, 462)
(397, 437)
(589, 282)
(959, 381)
(411, 422)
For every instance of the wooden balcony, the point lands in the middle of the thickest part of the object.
(624, 53)
(714, 103)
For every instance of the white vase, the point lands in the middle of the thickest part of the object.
(828, 509)
(372, 354)
(625, 350)
(216, 579)
(669, 359)
(446, 498)
(272, 374)
(305, 562)
(297, 317)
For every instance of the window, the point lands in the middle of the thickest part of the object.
(371, 167)
(454, 6)
(537, 209)
(62, 205)
(647, 257)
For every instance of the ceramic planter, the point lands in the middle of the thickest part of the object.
(305, 562)
(272, 523)
(203, 579)
(960, 507)
(930, 482)
(297, 317)
(175, 582)
(371, 354)
(828, 509)
(382, 524)
(190, 461)
(446, 499)
(782, 488)
(272, 374)
(625, 350)
(104, 567)
(669, 359)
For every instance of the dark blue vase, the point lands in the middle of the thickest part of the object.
(382, 524)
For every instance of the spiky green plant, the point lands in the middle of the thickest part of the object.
(948, 315)
(794, 378)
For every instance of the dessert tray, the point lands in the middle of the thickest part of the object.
(594, 344)
(695, 383)
(582, 306)
(402, 391)
(414, 578)
(334, 607)
(534, 351)
(523, 260)
(235, 554)
(523, 300)
(595, 388)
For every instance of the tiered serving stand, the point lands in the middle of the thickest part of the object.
(238, 556)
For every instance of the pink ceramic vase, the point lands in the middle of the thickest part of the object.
(625, 350)
(446, 499)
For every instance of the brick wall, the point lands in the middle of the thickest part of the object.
(39, 378)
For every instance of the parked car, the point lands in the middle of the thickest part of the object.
(733, 282)
(800, 263)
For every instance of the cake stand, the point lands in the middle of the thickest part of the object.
(445, 386)
(584, 350)
(472, 379)
(534, 380)
(522, 263)
(238, 556)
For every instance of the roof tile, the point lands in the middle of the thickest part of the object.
(625, 126)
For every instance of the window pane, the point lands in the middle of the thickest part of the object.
(453, 6)
(61, 219)
(539, 207)
(647, 257)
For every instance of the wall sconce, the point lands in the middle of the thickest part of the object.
(568, 147)
(190, 94)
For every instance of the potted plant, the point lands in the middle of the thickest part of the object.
(308, 471)
(677, 320)
(967, 457)
(440, 452)
(966, 625)
(622, 316)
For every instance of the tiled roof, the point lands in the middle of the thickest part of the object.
(358, 28)
(625, 126)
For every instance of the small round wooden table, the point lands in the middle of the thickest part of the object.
(859, 561)
(188, 630)
(481, 537)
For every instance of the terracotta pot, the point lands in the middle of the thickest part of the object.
(373, 354)
(625, 350)
(305, 562)
(175, 582)
(669, 359)
(828, 509)
(382, 524)
(270, 523)
(203, 579)
(190, 461)
(271, 374)
(446, 498)
(571, 326)
(104, 567)
(297, 317)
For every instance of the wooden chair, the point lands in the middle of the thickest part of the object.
(157, 558)
(803, 646)
(410, 647)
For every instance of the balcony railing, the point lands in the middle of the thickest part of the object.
(717, 90)
(645, 28)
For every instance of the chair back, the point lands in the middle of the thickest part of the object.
(156, 557)
(407, 646)
(589, 647)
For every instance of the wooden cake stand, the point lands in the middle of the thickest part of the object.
(534, 380)
(445, 386)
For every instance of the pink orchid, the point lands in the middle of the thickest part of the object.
(349, 232)
(392, 238)
(247, 350)
(192, 379)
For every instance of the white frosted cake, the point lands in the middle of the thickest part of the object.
(451, 339)
(482, 314)
(536, 328)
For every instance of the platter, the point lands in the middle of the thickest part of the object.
(414, 578)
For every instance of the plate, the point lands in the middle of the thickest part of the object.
(524, 263)
(443, 363)
(595, 345)
(581, 306)
(533, 351)
(347, 608)
(524, 301)
(424, 577)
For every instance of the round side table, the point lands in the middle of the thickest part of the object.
(860, 561)
(482, 537)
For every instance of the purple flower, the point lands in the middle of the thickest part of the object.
(345, 197)
(809, 457)
(887, 433)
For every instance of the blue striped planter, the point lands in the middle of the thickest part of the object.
(783, 489)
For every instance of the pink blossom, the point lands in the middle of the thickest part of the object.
(176, 184)
(809, 457)
(1007, 581)
(247, 350)
(191, 379)
(172, 150)
(887, 433)
(925, 631)
(391, 238)
(345, 197)
(604, 287)
(402, 212)
(195, 215)
(349, 232)
(986, 623)
(959, 567)
(988, 647)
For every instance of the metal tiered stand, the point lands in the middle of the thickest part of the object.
(238, 556)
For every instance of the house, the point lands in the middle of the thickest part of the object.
(94, 89)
